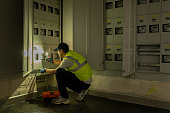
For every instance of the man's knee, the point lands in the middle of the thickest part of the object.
(59, 72)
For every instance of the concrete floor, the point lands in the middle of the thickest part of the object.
(90, 104)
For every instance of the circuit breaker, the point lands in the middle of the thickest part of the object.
(118, 31)
(154, 29)
(165, 58)
(109, 10)
(165, 32)
(109, 35)
(142, 30)
(142, 7)
(113, 57)
(154, 6)
(114, 34)
(118, 8)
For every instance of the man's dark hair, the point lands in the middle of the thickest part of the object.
(64, 47)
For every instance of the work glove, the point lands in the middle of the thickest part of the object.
(43, 70)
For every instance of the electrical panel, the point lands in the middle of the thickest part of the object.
(152, 34)
(114, 34)
(142, 30)
(165, 42)
(154, 29)
(46, 32)
(165, 58)
(165, 33)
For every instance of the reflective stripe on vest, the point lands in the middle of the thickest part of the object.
(78, 63)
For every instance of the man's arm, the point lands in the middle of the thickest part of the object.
(66, 63)
(57, 62)
(52, 71)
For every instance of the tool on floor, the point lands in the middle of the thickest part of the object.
(48, 95)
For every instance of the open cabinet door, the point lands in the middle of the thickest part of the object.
(96, 35)
(129, 38)
(27, 37)
(11, 40)
(88, 31)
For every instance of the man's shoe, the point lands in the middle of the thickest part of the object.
(61, 101)
(82, 94)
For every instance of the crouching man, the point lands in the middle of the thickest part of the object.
(73, 72)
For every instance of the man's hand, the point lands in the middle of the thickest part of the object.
(43, 70)
(51, 71)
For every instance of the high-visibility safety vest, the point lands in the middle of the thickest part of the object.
(80, 66)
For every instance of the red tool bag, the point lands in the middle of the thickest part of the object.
(49, 95)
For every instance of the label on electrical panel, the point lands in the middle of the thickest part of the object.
(168, 46)
(118, 47)
(119, 21)
(154, 16)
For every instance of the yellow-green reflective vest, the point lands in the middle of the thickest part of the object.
(80, 66)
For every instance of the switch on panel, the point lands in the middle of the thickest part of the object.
(57, 34)
(35, 31)
(141, 29)
(43, 7)
(108, 31)
(50, 9)
(50, 32)
(154, 28)
(153, 1)
(118, 30)
(140, 2)
(166, 27)
(36, 5)
(165, 58)
(118, 57)
(56, 11)
(43, 32)
(108, 57)
(109, 5)
(119, 4)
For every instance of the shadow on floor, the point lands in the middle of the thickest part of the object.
(91, 104)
